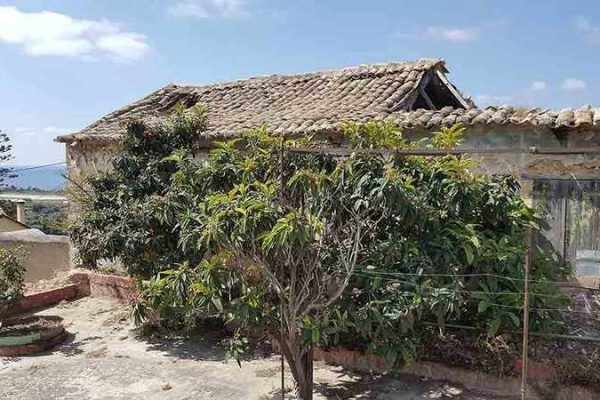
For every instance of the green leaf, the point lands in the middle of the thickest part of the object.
(483, 306)
(469, 254)
(515, 319)
(493, 327)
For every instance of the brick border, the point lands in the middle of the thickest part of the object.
(43, 299)
(120, 288)
(501, 386)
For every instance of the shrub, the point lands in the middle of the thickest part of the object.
(12, 274)
(401, 242)
(128, 213)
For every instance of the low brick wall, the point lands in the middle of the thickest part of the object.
(44, 299)
(540, 376)
(120, 288)
(84, 283)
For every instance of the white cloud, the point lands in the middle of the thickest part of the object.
(455, 35)
(208, 8)
(589, 30)
(572, 84)
(48, 33)
(538, 86)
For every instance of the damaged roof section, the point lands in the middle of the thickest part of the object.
(302, 103)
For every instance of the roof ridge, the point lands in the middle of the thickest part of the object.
(420, 64)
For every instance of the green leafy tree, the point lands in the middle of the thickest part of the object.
(281, 235)
(5, 155)
(12, 277)
(127, 214)
(367, 249)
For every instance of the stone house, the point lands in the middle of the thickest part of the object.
(555, 154)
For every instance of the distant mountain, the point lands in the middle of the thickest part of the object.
(48, 178)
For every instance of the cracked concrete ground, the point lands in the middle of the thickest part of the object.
(105, 359)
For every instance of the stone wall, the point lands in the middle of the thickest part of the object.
(84, 160)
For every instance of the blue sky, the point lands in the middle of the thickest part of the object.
(65, 63)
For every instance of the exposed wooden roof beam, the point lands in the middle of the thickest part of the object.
(452, 89)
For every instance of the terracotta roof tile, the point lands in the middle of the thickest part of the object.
(322, 101)
(282, 102)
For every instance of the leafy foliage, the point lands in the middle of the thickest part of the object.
(5, 155)
(12, 274)
(129, 213)
(367, 251)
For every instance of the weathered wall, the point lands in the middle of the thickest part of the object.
(45, 255)
(83, 159)
(86, 160)
(521, 163)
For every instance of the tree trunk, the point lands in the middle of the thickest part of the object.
(300, 361)
(305, 385)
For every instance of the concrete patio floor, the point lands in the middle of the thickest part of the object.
(105, 359)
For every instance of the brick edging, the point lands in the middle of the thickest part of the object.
(501, 386)
(120, 288)
(43, 299)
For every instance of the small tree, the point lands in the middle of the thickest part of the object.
(12, 278)
(126, 213)
(281, 234)
(301, 230)
(5, 155)
(266, 237)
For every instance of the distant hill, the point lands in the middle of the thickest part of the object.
(48, 178)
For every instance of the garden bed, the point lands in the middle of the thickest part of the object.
(25, 336)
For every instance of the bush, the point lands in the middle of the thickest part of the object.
(440, 243)
(445, 245)
(128, 213)
(12, 274)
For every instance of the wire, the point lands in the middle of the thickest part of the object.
(470, 291)
(538, 334)
(38, 166)
(478, 275)
(368, 275)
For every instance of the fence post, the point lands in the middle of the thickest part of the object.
(525, 355)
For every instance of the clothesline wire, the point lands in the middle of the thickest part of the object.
(370, 275)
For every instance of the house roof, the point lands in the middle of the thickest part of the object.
(294, 103)
(584, 118)
(322, 101)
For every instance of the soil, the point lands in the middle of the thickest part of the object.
(106, 358)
